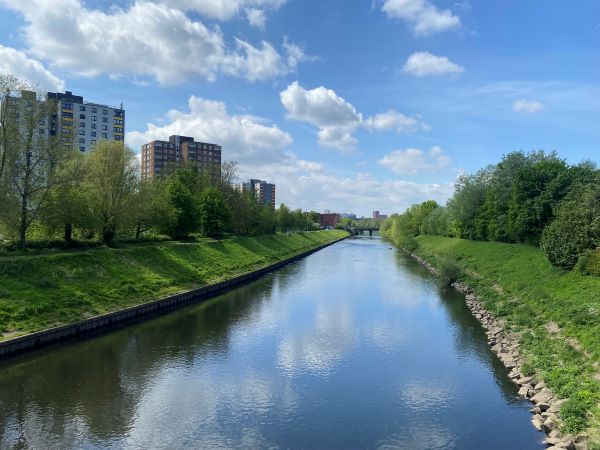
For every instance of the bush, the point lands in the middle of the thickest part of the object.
(589, 263)
(449, 271)
(409, 243)
(575, 229)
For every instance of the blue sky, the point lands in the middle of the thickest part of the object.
(346, 105)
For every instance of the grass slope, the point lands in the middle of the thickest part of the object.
(42, 291)
(557, 313)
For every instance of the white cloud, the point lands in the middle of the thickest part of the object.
(413, 160)
(393, 120)
(145, 39)
(336, 118)
(245, 139)
(256, 17)
(14, 62)
(223, 9)
(360, 194)
(527, 106)
(424, 63)
(424, 17)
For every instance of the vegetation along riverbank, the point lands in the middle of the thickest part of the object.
(521, 239)
(46, 290)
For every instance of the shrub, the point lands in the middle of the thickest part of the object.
(409, 243)
(589, 263)
(575, 229)
(449, 271)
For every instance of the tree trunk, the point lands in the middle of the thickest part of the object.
(138, 231)
(108, 233)
(23, 224)
(68, 234)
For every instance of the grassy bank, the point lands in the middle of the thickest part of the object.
(557, 314)
(42, 291)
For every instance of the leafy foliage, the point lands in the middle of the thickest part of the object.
(576, 227)
(532, 198)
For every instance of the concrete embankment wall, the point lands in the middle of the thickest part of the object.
(104, 322)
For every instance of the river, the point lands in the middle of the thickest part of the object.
(355, 346)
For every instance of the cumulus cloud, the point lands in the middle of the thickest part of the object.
(413, 160)
(244, 138)
(424, 63)
(394, 120)
(23, 67)
(338, 119)
(424, 17)
(146, 39)
(527, 106)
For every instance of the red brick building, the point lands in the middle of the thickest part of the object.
(329, 219)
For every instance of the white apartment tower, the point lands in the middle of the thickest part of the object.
(83, 123)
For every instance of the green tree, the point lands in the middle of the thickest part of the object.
(213, 212)
(67, 207)
(284, 218)
(153, 208)
(10, 87)
(186, 210)
(36, 161)
(110, 186)
(576, 227)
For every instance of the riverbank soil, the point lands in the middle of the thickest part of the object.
(554, 314)
(42, 291)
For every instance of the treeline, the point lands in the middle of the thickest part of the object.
(360, 223)
(50, 191)
(531, 198)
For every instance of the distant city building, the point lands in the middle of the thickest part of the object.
(377, 215)
(158, 157)
(77, 122)
(349, 216)
(328, 219)
(264, 192)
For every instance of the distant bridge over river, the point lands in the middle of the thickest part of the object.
(363, 230)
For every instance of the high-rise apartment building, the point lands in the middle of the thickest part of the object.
(158, 157)
(77, 122)
(83, 123)
(264, 192)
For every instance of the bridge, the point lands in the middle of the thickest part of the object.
(361, 230)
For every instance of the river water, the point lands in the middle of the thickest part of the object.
(352, 347)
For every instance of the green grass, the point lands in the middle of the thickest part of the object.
(518, 284)
(42, 291)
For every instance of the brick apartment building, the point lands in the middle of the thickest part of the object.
(329, 219)
(159, 157)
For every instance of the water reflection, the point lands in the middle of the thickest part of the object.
(353, 347)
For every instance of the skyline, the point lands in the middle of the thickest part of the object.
(373, 105)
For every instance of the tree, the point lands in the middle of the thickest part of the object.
(67, 205)
(153, 208)
(186, 211)
(284, 218)
(576, 227)
(36, 161)
(110, 186)
(213, 212)
(10, 87)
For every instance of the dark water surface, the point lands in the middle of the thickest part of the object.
(352, 347)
